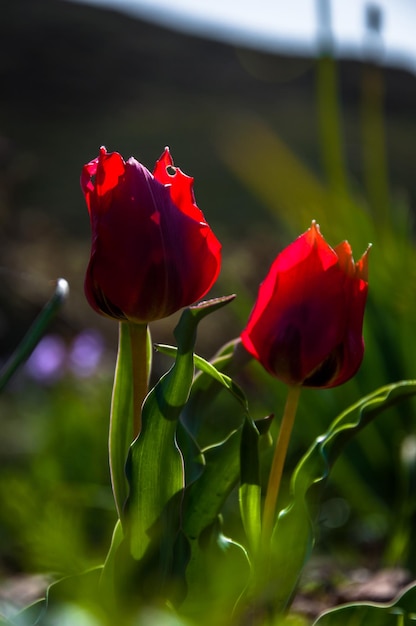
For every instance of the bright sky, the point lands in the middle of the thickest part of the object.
(288, 25)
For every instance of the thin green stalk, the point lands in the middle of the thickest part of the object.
(140, 371)
(35, 332)
(279, 457)
(374, 145)
(330, 125)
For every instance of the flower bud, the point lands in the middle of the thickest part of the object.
(306, 325)
(152, 251)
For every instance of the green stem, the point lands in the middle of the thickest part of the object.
(374, 145)
(129, 390)
(140, 371)
(330, 124)
(279, 457)
(121, 418)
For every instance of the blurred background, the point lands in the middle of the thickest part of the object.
(281, 120)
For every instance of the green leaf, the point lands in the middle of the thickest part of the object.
(206, 387)
(400, 612)
(293, 535)
(155, 467)
(210, 369)
(223, 462)
(194, 461)
(35, 332)
(205, 497)
(80, 589)
(217, 572)
(250, 487)
(250, 490)
(29, 615)
(210, 579)
(108, 575)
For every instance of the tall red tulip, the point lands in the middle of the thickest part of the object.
(152, 251)
(306, 325)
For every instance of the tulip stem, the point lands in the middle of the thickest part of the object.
(279, 457)
(140, 371)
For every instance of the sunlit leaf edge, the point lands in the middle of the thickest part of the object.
(336, 616)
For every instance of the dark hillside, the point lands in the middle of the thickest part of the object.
(73, 77)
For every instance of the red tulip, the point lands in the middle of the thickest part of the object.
(152, 250)
(306, 325)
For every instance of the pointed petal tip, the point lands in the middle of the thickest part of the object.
(166, 157)
(315, 229)
(362, 265)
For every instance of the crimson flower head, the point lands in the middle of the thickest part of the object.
(306, 325)
(152, 251)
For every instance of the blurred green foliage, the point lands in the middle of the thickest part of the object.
(57, 509)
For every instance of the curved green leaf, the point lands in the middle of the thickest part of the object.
(205, 497)
(193, 457)
(207, 385)
(400, 612)
(293, 535)
(79, 589)
(217, 572)
(28, 616)
(210, 369)
(255, 439)
(250, 487)
(108, 576)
